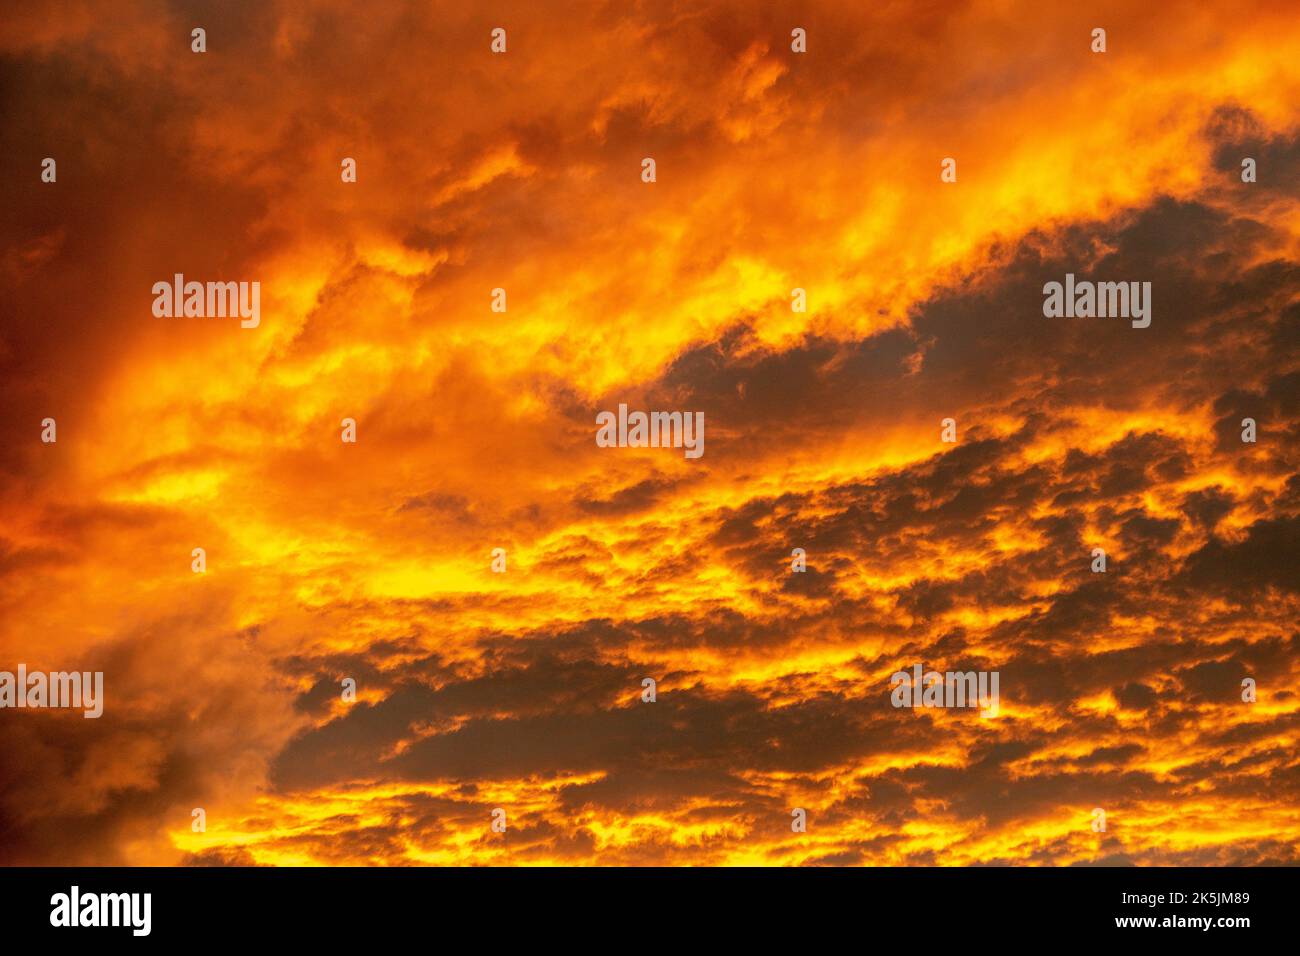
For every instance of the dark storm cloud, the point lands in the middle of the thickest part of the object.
(1268, 556)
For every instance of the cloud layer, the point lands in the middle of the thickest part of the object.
(522, 690)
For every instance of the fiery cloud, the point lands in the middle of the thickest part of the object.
(522, 690)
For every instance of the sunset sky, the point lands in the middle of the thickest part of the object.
(521, 690)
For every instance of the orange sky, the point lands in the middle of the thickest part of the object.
(521, 690)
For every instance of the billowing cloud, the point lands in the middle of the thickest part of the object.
(522, 690)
